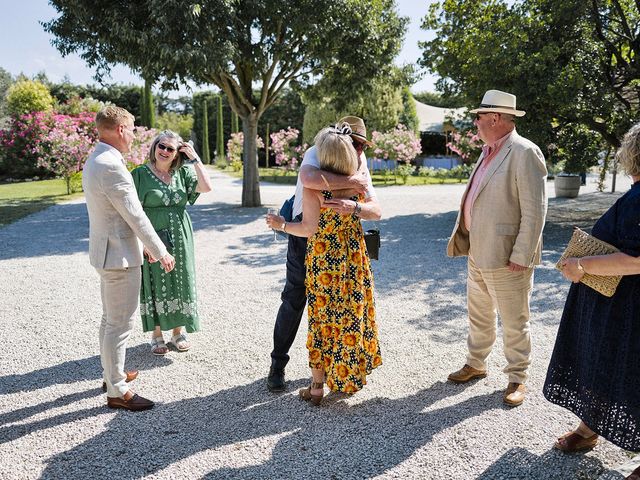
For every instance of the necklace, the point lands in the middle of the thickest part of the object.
(164, 176)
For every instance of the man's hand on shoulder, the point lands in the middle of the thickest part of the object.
(359, 181)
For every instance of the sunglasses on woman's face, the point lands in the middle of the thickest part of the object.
(164, 147)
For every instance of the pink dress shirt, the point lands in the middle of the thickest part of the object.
(489, 152)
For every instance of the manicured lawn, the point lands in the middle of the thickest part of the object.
(18, 200)
(275, 175)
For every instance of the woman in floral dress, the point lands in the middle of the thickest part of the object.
(343, 337)
(165, 185)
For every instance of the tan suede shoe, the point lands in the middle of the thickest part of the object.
(466, 373)
(514, 394)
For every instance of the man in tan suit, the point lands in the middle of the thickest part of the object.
(116, 221)
(499, 228)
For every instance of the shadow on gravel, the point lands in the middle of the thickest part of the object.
(524, 465)
(76, 371)
(64, 229)
(335, 440)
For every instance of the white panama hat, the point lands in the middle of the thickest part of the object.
(499, 102)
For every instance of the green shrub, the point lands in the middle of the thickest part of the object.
(26, 96)
(181, 124)
(404, 171)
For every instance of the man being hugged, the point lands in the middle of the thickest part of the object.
(294, 295)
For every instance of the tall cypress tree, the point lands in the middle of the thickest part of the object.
(220, 131)
(148, 110)
(234, 122)
(206, 156)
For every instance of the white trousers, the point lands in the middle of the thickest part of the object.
(120, 291)
(508, 293)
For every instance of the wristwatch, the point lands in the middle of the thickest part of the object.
(357, 209)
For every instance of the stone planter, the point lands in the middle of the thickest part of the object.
(567, 185)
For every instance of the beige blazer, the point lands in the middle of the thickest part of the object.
(508, 214)
(116, 217)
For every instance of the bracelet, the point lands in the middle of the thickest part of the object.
(284, 227)
(357, 209)
(580, 267)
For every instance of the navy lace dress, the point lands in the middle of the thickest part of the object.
(595, 366)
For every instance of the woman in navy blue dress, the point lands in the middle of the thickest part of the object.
(595, 366)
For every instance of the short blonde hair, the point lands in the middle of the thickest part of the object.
(335, 152)
(112, 116)
(629, 152)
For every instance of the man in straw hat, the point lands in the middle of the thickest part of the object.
(499, 227)
(294, 297)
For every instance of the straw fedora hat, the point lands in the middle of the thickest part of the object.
(499, 102)
(358, 130)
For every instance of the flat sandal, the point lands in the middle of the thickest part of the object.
(307, 396)
(572, 442)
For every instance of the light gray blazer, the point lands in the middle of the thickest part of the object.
(116, 217)
(508, 214)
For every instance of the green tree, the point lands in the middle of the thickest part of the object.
(409, 114)
(26, 96)
(147, 108)
(219, 132)
(567, 61)
(181, 124)
(235, 45)
(436, 99)
(206, 156)
(5, 82)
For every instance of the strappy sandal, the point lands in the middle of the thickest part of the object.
(180, 342)
(158, 347)
(307, 396)
(572, 442)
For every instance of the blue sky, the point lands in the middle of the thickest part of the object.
(26, 48)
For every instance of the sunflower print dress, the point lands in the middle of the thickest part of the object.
(343, 336)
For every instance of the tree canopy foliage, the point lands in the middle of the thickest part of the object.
(569, 62)
(239, 45)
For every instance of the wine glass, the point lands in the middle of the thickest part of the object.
(274, 211)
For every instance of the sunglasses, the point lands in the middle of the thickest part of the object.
(166, 148)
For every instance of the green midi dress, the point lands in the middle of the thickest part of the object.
(169, 299)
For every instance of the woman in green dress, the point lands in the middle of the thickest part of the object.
(165, 185)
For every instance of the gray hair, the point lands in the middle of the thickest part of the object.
(629, 152)
(177, 162)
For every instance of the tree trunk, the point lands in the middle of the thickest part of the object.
(250, 178)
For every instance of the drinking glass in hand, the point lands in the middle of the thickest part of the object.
(274, 211)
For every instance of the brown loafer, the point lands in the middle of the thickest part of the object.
(136, 403)
(635, 475)
(572, 442)
(514, 394)
(465, 374)
(131, 376)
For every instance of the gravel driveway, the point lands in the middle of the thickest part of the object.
(216, 419)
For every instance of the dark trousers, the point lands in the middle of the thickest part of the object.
(294, 300)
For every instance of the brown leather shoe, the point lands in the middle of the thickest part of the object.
(572, 442)
(131, 376)
(514, 394)
(135, 403)
(465, 374)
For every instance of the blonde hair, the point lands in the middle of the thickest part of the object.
(178, 159)
(629, 152)
(335, 152)
(111, 116)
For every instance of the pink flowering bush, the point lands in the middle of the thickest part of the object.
(139, 153)
(399, 144)
(287, 155)
(467, 145)
(235, 147)
(66, 146)
(18, 141)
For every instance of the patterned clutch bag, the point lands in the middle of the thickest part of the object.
(583, 245)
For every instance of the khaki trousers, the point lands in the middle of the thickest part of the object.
(120, 291)
(508, 293)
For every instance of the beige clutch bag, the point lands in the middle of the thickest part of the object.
(584, 245)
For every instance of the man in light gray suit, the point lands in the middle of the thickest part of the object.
(499, 228)
(116, 221)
